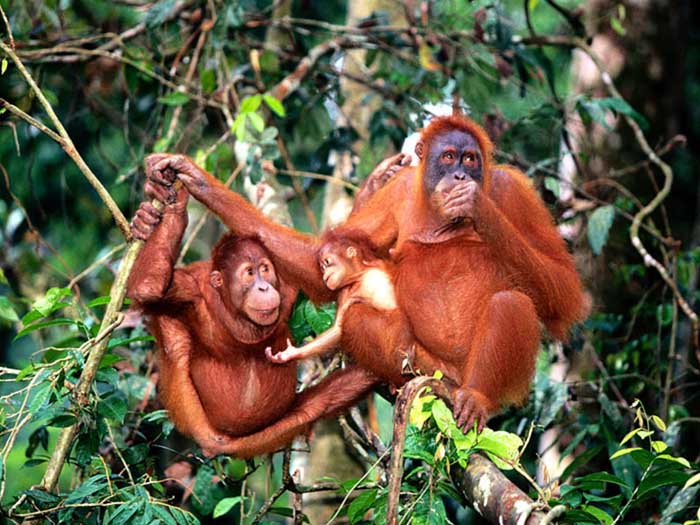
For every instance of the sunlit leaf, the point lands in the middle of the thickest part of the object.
(624, 452)
(275, 105)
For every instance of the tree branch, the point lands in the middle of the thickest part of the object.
(481, 483)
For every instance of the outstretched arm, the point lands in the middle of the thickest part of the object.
(325, 342)
(332, 396)
(293, 253)
(152, 278)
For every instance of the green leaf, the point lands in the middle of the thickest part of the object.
(164, 514)
(360, 505)
(603, 477)
(174, 98)
(552, 184)
(238, 127)
(599, 224)
(601, 515)
(3, 279)
(658, 446)
(420, 410)
(207, 79)
(225, 505)
(443, 417)
(275, 105)
(500, 446)
(659, 423)
(664, 478)
(319, 320)
(630, 435)
(621, 106)
(41, 396)
(53, 296)
(692, 481)
(3, 66)
(617, 26)
(256, 121)
(675, 459)
(531, 4)
(7, 311)
(623, 452)
(113, 407)
(250, 104)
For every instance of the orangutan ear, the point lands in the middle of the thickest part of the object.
(351, 252)
(419, 149)
(216, 279)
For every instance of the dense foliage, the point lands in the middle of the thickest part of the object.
(225, 82)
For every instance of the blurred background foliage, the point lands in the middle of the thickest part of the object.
(227, 82)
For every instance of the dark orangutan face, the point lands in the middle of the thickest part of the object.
(338, 265)
(249, 285)
(452, 158)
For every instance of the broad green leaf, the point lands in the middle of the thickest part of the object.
(664, 478)
(3, 67)
(502, 447)
(53, 296)
(174, 98)
(225, 505)
(360, 505)
(443, 417)
(603, 477)
(113, 407)
(275, 105)
(3, 279)
(41, 396)
(250, 104)
(599, 224)
(238, 127)
(623, 452)
(7, 311)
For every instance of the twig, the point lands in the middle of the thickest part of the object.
(106, 257)
(7, 25)
(401, 412)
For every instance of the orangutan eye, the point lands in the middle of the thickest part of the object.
(469, 157)
(264, 268)
(249, 271)
(448, 155)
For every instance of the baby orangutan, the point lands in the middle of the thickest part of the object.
(377, 335)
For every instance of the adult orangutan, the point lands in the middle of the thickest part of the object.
(479, 263)
(212, 321)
